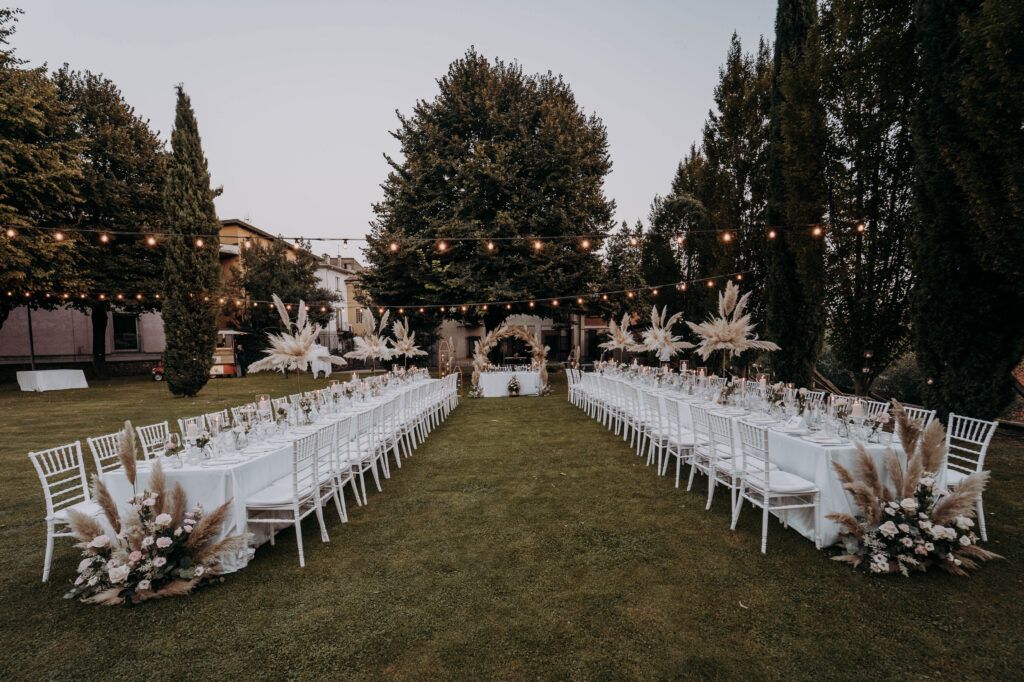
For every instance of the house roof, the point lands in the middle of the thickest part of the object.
(248, 226)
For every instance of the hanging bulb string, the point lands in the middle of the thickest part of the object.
(245, 301)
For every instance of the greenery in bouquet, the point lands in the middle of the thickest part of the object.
(774, 394)
(915, 525)
(802, 397)
(158, 548)
(726, 391)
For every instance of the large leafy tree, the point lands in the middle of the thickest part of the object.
(277, 268)
(867, 45)
(496, 153)
(120, 189)
(192, 275)
(623, 267)
(794, 291)
(968, 143)
(39, 172)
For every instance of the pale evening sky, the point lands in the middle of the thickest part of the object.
(295, 100)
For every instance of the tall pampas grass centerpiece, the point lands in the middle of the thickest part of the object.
(731, 332)
(913, 525)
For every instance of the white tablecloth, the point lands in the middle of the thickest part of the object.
(52, 380)
(212, 486)
(495, 384)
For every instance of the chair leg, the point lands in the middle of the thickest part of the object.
(49, 551)
(764, 526)
(376, 477)
(679, 466)
(711, 484)
(298, 538)
(323, 525)
(339, 501)
(981, 520)
(736, 510)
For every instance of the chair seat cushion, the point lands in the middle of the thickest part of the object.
(277, 493)
(88, 507)
(953, 477)
(780, 482)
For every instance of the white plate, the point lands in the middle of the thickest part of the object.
(824, 440)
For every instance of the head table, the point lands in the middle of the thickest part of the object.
(795, 453)
(238, 475)
(495, 384)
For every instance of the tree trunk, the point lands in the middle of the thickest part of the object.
(862, 384)
(99, 339)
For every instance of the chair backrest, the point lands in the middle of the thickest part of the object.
(873, 408)
(343, 437)
(243, 413)
(916, 414)
(967, 442)
(326, 440)
(105, 451)
(756, 458)
(721, 435)
(277, 404)
(191, 427)
(219, 419)
(62, 472)
(652, 409)
(817, 397)
(305, 472)
(699, 418)
(152, 437)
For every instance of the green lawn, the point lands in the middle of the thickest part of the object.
(521, 541)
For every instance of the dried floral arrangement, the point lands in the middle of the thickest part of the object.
(915, 525)
(158, 548)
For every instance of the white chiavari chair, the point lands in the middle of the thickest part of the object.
(293, 498)
(191, 428)
(763, 485)
(327, 456)
(152, 438)
(61, 471)
(105, 451)
(967, 442)
(219, 420)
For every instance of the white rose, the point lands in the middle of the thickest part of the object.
(199, 571)
(100, 541)
(149, 502)
(84, 564)
(888, 529)
(163, 520)
(964, 540)
(803, 391)
(928, 481)
(177, 531)
(118, 573)
(963, 523)
(159, 561)
(147, 541)
(144, 584)
(929, 546)
(163, 543)
(909, 504)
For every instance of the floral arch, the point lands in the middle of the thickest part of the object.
(538, 351)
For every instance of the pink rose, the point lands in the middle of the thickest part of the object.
(159, 561)
(163, 543)
(907, 542)
(84, 564)
(79, 580)
(135, 556)
(149, 502)
(905, 528)
(144, 584)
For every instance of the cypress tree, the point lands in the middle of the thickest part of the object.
(192, 275)
(968, 144)
(794, 291)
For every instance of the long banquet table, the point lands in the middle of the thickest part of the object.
(798, 455)
(239, 475)
(52, 380)
(495, 384)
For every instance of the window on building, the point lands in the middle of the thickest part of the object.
(337, 283)
(359, 315)
(471, 345)
(126, 331)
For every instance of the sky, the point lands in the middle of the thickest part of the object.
(295, 100)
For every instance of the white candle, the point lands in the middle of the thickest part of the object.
(858, 410)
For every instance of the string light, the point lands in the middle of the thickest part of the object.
(739, 277)
(554, 302)
(531, 304)
(860, 227)
(199, 243)
(344, 244)
(604, 297)
(10, 232)
(633, 241)
(771, 234)
(508, 306)
(421, 310)
(710, 283)
(679, 239)
(393, 246)
(442, 246)
(151, 240)
(579, 301)
(490, 246)
(401, 311)
(816, 231)
(248, 244)
(585, 244)
(726, 237)
(463, 308)
(629, 294)
(138, 297)
(104, 238)
(537, 245)
(485, 306)
(59, 236)
(654, 292)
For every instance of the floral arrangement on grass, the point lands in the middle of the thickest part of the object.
(544, 390)
(159, 548)
(475, 392)
(513, 386)
(916, 525)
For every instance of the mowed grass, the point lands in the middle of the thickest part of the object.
(522, 540)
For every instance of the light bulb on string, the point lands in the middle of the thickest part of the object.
(629, 294)
(344, 244)
(579, 301)
(58, 235)
(401, 311)
(393, 246)
(537, 245)
(151, 240)
(679, 239)
(633, 241)
(710, 283)
(554, 302)
(508, 306)
(323, 309)
(157, 296)
(10, 233)
(442, 246)
(484, 306)
(585, 243)
(104, 238)
(739, 277)
(604, 297)
(726, 237)
(531, 304)
(816, 231)
(771, 234)
(654, 292)
(860, 227)
(138, 297)
(490, 246)
(248, 244)
(199, 243)
(463, 308)
(421, 310)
